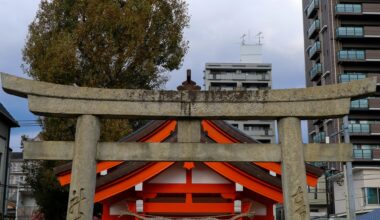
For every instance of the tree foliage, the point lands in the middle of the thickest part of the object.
(51, 197)
(105, 44)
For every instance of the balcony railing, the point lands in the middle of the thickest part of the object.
(348, 77)
(316, 70)
(314, 50)
(312, 8)
(350, 32)
(320, 137)
(363, 154)
(266, 132)
(239, 76)
(348, 9)
(222, 88)
(351, 55)
(359, 128)
(314, 29)
(360, 104)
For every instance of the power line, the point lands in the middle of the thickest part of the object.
(29, 123)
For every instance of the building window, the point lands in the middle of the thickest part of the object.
(235, 125)
(371, 196)
(255, 127)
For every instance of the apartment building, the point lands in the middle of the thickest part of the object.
(342, 44)
(21, 203)
(7, 122)
(249, 74)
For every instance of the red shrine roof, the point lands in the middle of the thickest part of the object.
(124, 175)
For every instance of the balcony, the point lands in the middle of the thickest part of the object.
(357, 9)
(266, 132)
(312, 8)
(314, 29)
(314, 50)
(360, 104)
(348, 9)
(351, 55)
(348, 77)
(369, 32)
(315, 71)
(359, 129)
(252, 76)
(362, 154)
(366, 154)
(371, 103)
(364, 129)
(320, 137)
(222, 88)
(349, 32)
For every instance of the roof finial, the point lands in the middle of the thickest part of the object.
(188, 75)
(189, 84)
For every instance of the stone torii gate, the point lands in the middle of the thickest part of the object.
(287, 106)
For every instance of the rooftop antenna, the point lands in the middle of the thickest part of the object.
(243, 39)
(260, 36)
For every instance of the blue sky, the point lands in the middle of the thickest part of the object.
(214, 35)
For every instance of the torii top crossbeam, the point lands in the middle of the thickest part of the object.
(306, 103)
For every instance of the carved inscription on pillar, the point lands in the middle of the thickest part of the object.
(298, 200)
(75, 204)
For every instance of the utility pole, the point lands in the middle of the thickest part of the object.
(17, 199)
(350, 195)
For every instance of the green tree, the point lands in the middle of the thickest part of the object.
(105, 44)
